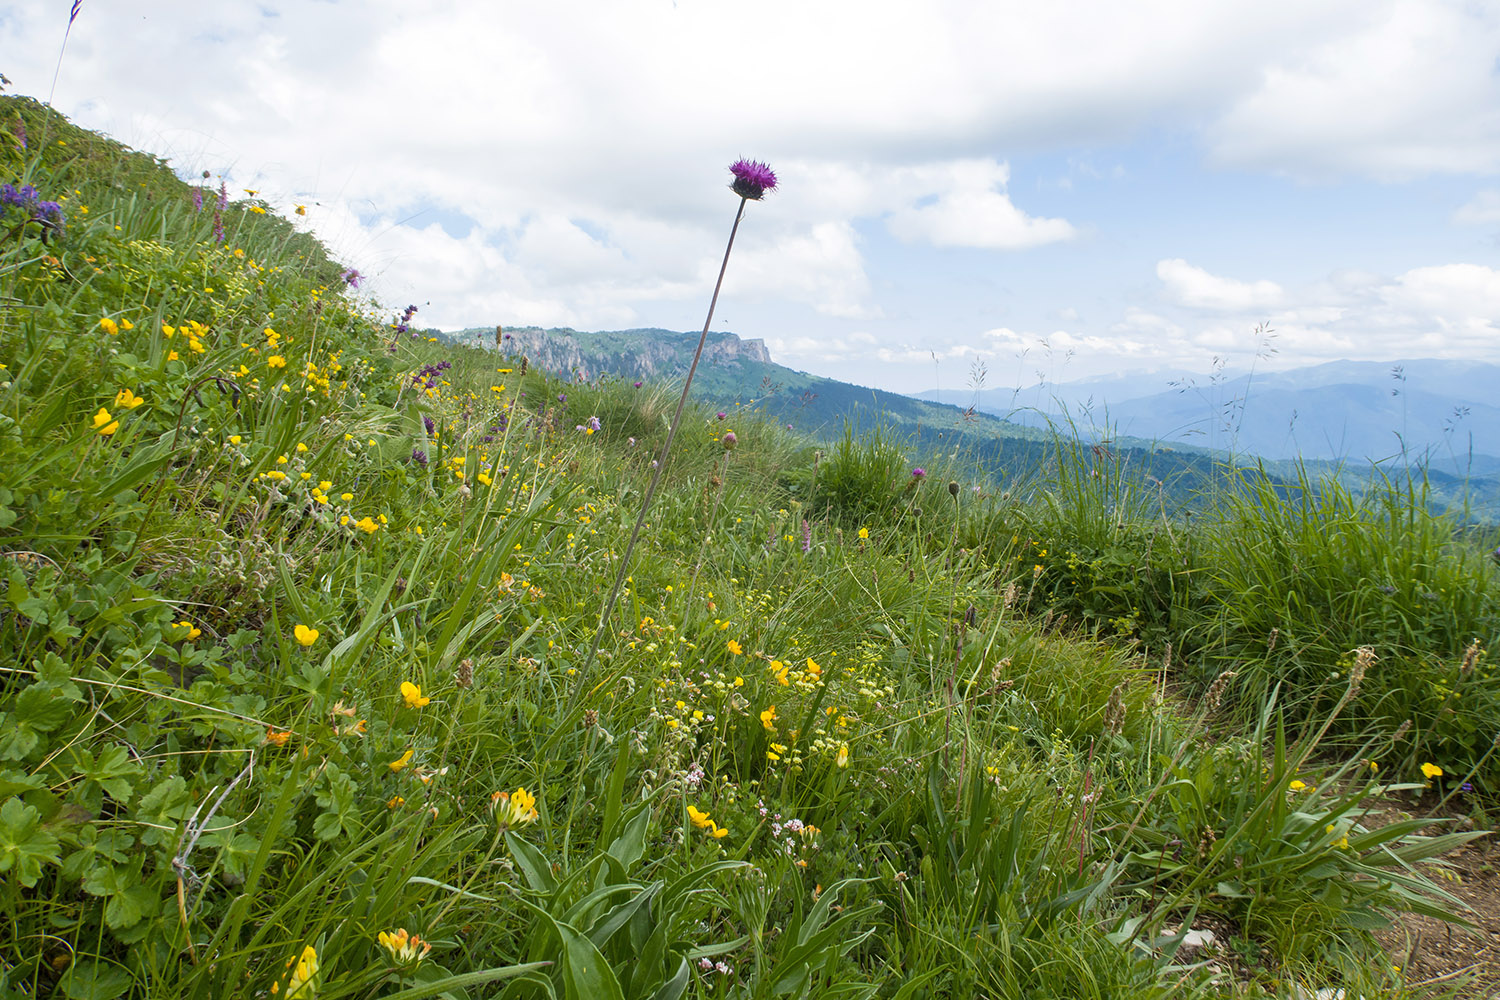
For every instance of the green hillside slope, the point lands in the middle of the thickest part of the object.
(297, 700)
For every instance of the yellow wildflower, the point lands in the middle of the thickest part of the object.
(367, 525)
(304, 635)
(192, 631)
(842, 760)
(109, 326)
(864, 533)
(768, 719)
(413, 695)
(104, 423)
(404, 948)
(277, 737)
(276, 361)
(1430, 771)
(735, 648)
(698, 817)
(300, 985)
(127, 399)
(514, 808)
(401, 761)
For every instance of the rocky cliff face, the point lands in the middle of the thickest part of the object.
(637, 353)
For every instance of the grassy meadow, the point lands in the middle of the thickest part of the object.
(298, 605)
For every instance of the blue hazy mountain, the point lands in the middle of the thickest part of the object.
(1350, 410)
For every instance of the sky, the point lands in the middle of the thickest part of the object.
(1059, 190)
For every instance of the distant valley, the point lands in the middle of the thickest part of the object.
(1188, 431)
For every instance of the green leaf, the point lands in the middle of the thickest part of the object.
(585, 972)
(532, 862)
(24, 845)
(87, 979)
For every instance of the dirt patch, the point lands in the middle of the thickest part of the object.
(1434, 952)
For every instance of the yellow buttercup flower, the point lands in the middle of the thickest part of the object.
(304, 635)
(367, 525)
(104, 423)
(413, 695)
(864, 533)
(1430, 771)
(1297, 786)
(735, 648)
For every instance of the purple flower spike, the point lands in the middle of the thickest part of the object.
(752, 179)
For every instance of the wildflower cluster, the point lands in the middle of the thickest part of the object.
(28, 199)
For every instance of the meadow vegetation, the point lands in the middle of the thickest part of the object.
(295, 599)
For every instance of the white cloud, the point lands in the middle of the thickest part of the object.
(964, 204)
(1407, 88)
(1192, 286)
(586, 146)
(1482, 209)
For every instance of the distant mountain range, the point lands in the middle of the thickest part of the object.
(1185, 431)
(1355, 411)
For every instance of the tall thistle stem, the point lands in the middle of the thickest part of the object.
(661, 467)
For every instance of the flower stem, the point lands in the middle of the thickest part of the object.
(661, 467)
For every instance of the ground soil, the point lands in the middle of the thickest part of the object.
(1439, 954)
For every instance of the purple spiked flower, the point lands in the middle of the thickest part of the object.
(729, 440)
(919, 473)
(752, 179)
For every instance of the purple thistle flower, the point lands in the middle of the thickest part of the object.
(352, 278)
(562, 397)
(594, 425)
(729, 440)
(752, 179)
(721, 414)
(919, 473)
(638, 385)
